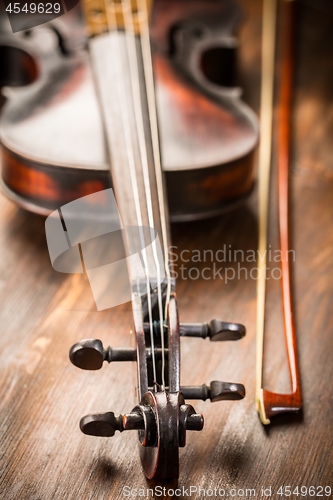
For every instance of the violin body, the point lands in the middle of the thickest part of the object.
(53, 147)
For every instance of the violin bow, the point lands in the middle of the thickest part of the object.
(271, 403)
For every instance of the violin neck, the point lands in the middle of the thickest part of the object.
(128, 110)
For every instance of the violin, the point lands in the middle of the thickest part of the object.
(53, 146)
(99, 117)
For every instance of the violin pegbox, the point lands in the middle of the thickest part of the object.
(90, 354)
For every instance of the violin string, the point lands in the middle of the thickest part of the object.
(131, 163)
(149, 77)
(135, 85)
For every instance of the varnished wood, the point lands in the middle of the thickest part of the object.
(43, 453)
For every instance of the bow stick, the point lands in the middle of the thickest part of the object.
(271, 403)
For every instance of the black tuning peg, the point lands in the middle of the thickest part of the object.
(220, 330)
(90, 354)
(101, 424)
(216, 330)
(217, 391)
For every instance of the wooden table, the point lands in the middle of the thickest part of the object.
(42, 313)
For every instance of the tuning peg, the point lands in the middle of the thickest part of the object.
(220, 391)
(216, 330)
(217, 391)
(90, 354)
(220, 330)
(195, 422)
(101, 424)
(189, 420)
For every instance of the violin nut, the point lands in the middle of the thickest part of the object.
(88, 354)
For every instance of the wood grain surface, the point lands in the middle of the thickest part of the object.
(42, 313)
